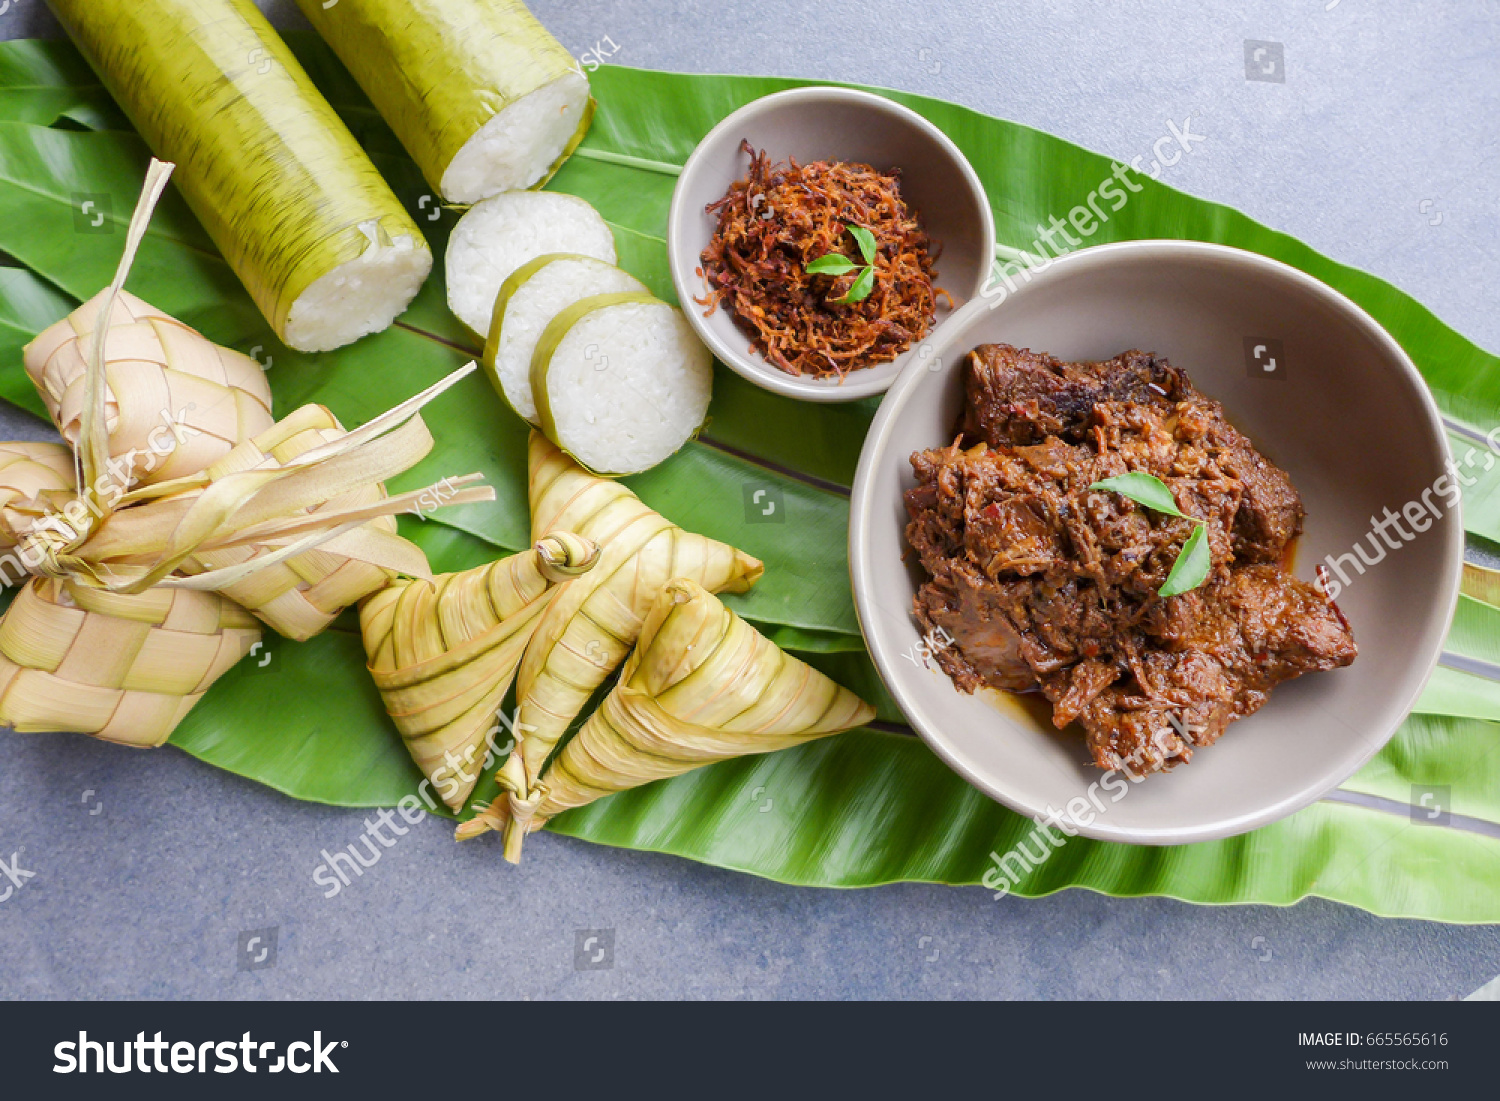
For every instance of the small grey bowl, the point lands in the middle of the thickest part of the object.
(1325, 393)
(822, 123)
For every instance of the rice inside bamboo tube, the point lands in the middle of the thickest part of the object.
(287, 194)
(123, 667)
(443, 653)
(486, 100)
(701, 686)
(175, 401)
(31, 474)
(590, 625)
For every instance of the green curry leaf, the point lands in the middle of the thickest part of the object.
(860, 289)
(835, 263)
(866, 241)
(1192, 565)
(1143, 489)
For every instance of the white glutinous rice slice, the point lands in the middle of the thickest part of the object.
(360, 296)
(498, 235)
(520, 144)
(621, 382)
(533, 295)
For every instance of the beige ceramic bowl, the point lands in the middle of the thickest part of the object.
(821, 123)
(1343, 411)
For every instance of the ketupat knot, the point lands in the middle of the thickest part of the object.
(523, 820)
(564, 555)
(41, 551)
(515, 814)
(486, 818)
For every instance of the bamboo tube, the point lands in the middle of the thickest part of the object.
(29, 472)
(701, 686)
(287, 194)
(590, 625)
(486, 100)
(175, 402)
(443, 654)
(124, 668)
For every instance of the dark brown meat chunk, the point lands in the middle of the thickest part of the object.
(961, 604)
(1039, 582)
(1017, 396)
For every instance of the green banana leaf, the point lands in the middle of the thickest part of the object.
(870, 806)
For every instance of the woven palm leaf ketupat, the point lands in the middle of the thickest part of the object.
(123, 667)
(486, 100)
(254, 512)
(288, 196)
(301, 484)
(592, 622)
(444, 652)
(31, 473)
(175, 402)
(111, 638)
(301, 596)
(701, 686)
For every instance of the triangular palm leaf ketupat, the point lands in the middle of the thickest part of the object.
(593, 621)
(443, 653)
(701, 686)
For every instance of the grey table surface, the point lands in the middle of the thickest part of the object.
(1378, 146)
